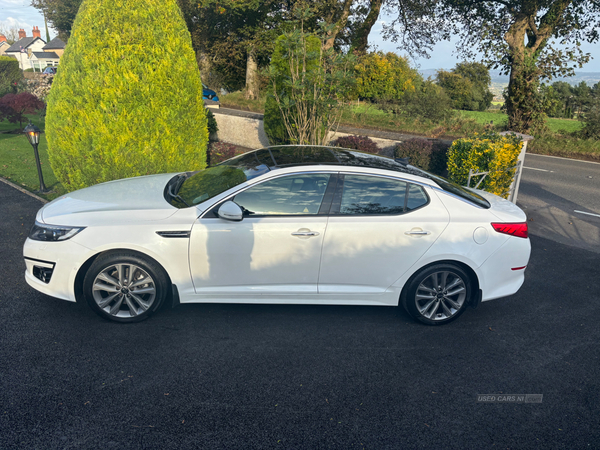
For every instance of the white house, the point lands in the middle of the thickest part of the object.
(3, 45)
(25, 47)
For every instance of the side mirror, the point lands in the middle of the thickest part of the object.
(230, 211)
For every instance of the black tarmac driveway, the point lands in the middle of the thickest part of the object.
(300, 377)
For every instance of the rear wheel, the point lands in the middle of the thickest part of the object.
(438, 294)
(125, 287)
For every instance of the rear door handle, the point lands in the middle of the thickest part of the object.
(417, 232)
(305, 232)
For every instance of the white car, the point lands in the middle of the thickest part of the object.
(287, 224)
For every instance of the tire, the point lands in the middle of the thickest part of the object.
(112, 294)
(438, 294)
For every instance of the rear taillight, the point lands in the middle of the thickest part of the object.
(514, 229)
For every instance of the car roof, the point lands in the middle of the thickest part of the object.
(284, 156)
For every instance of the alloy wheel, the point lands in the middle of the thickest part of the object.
(124, 290)
(440, 295)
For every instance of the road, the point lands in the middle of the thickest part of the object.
(562, 200)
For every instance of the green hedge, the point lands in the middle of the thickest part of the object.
(127, 99)
(10, 75)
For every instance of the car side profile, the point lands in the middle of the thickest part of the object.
(283, 224)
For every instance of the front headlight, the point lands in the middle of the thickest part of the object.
(43, 232)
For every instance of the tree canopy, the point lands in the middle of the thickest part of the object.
(520, 37)
(468, 86)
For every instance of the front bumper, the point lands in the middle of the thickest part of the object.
(52, 266)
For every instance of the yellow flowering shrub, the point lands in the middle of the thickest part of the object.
(488, 152)
(384, 76)
(127, 99)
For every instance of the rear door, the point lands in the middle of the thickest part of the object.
(378, 228)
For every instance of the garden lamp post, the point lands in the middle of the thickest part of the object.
(33, 134)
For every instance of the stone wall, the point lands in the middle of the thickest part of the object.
(247, 130)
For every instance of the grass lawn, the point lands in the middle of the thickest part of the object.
(17, 160)
(555, 125)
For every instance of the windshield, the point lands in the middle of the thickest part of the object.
(213, 181)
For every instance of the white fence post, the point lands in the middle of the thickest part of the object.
(514, 187)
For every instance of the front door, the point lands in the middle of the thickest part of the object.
(274, 251)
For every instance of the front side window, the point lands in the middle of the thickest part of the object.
(368, 195)
(289, 195)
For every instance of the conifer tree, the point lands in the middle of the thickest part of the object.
(127, 99)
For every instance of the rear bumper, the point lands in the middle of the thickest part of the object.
(496, 275)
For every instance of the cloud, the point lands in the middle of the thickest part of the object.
(20, 14)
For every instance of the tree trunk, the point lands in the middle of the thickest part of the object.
(204, 65)
(251, 76)
(339, 25)
(361, 41)
(522, 100)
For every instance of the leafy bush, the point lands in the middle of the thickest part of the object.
(127, 99)
(429, 102)
(385, 76)
(273, 119)
(468, 86)
(219, 152)
(211, 122)
(307, 87)
(591, 128)
(10, 75)
(14, 106)
(488, 152)
(439, 158)
(418, 151)
(361, 143)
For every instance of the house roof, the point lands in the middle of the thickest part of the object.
(55, 43)
(24, 43)
(46, 55)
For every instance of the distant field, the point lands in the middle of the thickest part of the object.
(555, 125)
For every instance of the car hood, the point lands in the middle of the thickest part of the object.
(139, 197)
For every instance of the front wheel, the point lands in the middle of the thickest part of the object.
(125, 287)
(438, 294)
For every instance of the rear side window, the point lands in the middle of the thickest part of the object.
(368, 195)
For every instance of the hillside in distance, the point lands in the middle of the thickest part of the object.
(499, 82)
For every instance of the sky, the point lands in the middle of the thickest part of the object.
(21, 14)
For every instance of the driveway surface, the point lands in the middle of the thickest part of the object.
(300, 377)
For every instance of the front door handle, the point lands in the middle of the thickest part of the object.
(305, 233)
(417, 232)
